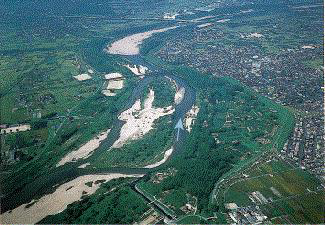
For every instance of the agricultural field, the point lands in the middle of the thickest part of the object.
(288, 193)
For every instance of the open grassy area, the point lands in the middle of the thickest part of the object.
(315, 63)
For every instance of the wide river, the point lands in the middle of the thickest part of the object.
(57, 176)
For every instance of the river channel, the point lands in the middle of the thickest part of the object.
(47, 183)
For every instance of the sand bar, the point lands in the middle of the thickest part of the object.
(246, 11)
(108, 93)
(170, 16)
(166, 156)
(130, 45)
(204, 25)
(82, 77)
(85, 150)
(202, 18)
(180, 91)
(84, 165)
(190, 117)
(307, 6)
(113, 76)
(140, 121)
(137, 69)
(255, 35)
(115, 84)
(308, 47)
(179, 95)
(223, 20)
(58, 201)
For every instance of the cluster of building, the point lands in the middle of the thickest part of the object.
(151, 217)
(160, 176)
(6, 129)
(305, 147)
(289, 77)
(244, 215)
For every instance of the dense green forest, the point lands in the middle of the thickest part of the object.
(164, 92)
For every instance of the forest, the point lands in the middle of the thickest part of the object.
(164, 92)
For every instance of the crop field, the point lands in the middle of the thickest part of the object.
(286, 183)
(292, 194)
(300, 209)
(273, 166)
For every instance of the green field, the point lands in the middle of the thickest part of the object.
(296, 195)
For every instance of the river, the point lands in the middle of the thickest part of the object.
(47, 183)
